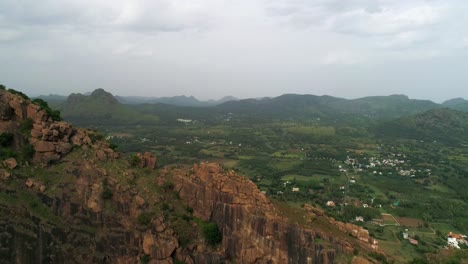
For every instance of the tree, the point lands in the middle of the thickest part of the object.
(212, 234)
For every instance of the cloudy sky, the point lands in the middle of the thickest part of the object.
(245, 48)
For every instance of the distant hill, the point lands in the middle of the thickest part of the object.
(100, 107)
(454, 102)
(459, 104)
(181, 100)
(444, 125)
(312, 106)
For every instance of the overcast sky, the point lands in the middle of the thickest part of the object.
(244, 48)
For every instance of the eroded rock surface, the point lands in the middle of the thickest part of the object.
(253, 230)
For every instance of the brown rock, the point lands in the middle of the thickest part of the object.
(139, 201)
(17, 105)
(36, 134)
(159, 224)
(148, 243)
(29, 183)
(10, 163)
(147, 160)
(4, 175)
(101, 155)
(63, 148)
(360, 260)
(44, 146)
(253, 230)
(46, 158)
(87, 140)
(5, 111)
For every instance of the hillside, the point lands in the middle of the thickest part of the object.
(311, 106)
(75, 200)
(444, 125)
(182, 100)
(459, 104)
(100, 107)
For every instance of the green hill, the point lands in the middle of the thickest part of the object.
(459, 104)
(444, 125)
(311, 106)
(100, 107)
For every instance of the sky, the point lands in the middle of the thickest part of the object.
(245, 48)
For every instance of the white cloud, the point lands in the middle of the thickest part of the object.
(342, 58)
(242, 46)
(388, 20)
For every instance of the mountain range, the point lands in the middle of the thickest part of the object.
(182, 100)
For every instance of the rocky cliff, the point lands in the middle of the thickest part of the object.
(50, 139)
(254, 231)
(77, 202)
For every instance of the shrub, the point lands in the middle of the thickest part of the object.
(27, 152)
(113, 146)
(54, 114)
(6, 139)
(96, 137)
(145, 259)
(168, 186)
(134, 160)
(6, 153)
(26, 126)
(211, 233)
(144, 218)
(184, 231)
(107, 193)
(2, 87)
(13, 91)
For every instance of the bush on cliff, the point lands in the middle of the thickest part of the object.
(13, 91)
(6, 139)
(26, 126)
(54, 114)
(211, 233)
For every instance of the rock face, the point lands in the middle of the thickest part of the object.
(147, 160)
(50, 139)
(253, 231)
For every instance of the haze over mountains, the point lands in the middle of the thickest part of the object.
(180, 100)
(101, 105)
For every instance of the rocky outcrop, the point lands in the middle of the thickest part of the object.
(147, 160)
(50, 139)
(253, 230)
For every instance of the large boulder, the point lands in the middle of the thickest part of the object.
(10, 163)
(44, 146)
(147, 160)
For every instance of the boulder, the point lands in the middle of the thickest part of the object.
(63, 147)
(139, 201)
(147, 160)
(17, 105)
(360, 260)
(148, 243)
(10, 163)
(4, 175)
(29, 183)
(44, 146)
